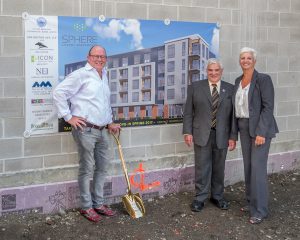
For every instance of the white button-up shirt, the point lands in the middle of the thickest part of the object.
(241, 102)
(211, 86)
(88, 94)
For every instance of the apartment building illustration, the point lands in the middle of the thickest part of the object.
(152, 83)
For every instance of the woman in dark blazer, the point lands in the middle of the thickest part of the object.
(254, 106)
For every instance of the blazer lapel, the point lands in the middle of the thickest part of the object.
(222, 93)
(252, 86)
(207, 91)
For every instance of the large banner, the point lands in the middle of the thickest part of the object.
(150, 64)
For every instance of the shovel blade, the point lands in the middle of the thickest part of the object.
(134, 205)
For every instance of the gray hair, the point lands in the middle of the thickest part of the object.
(214, 61)
(249, 50)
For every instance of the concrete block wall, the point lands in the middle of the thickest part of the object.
(270, 26)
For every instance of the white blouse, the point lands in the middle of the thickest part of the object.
(241, 102)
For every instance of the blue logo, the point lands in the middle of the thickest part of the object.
(41, 22)
(42, 84)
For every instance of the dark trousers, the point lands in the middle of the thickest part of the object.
(209, 169)
(255, 169)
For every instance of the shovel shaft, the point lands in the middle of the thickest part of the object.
(123, 162)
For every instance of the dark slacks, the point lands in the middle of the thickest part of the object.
(255, 169)
(209, 169)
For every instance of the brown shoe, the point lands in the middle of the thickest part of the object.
(105, 210)
(90, 215)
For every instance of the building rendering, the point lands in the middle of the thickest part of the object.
(152, 83)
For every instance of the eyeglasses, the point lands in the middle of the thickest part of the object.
(98, 56)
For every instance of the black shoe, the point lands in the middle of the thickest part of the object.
(197, 206)
(222, 203)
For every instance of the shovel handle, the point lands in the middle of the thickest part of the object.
(117, 139)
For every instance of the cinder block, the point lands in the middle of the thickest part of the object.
(183, 148)
(16, 7)
(19, 164)
(10, 26)
(225, 48)
(1, 88)
(145, 136)
(171, 133)
(294, 34)
(10, 148)
(231, 64)
(62, 7)
(294, 64)
(110, 9)
(267, 49)
(148, 1)
(14, 127)
(205, 3)
(68, 143)
(230, 32)
(61, 160)
(178, 2)
(286, 136)
(287, 94)
(11, 66)
(287, 108)
(160, 150)
(278, 64)
(279, 147)
(288, 79)
(282, 123)
(293, 122)
(288, 49)
(14, 87)
(289, 20)
(132, 153)
(162, 12)
(232, 4)
(1, 166)
(92, 8)
(37, 176)
(261, 63)
(42, 145)
(279, 6)
(1, 128)
(295, 6)
(279, 34)
(131, 10)
(13, 46)
(222, 16)
(11, 107)
(236, 17)
(268, 19)
(196, 14)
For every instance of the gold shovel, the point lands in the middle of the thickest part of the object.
(132, 201)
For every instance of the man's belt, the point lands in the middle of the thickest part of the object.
(87, 124)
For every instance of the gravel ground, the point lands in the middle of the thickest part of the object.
(169, 218)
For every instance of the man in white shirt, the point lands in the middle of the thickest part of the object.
(90, 115)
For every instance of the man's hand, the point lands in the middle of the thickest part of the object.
(231, 144)
(259, 140)
(77, 122)
(114, 128)
(188, 139)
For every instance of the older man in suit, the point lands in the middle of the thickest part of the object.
(207, 123)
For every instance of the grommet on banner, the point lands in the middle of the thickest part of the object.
(27, 134)
(101, 18)
(25, 15)
(218, 25)
(167, 21)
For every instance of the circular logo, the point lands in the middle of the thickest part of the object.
(41, 22)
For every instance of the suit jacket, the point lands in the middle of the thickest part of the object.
(198, 113)
(261, 105)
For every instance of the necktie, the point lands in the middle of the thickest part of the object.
(215, 100)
